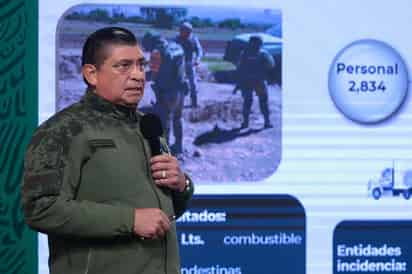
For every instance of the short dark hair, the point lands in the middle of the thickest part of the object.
(94, 49)
(150, 39)
(96, 44)
(256, 40)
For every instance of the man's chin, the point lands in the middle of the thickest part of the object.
(132, 106)
(132, 103)
(133, 98)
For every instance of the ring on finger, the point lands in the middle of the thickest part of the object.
(163, 174)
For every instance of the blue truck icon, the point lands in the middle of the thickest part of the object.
(393, 181)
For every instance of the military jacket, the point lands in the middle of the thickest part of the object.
(86, 170)
(192, 48)
(255, 66)
(171, 72)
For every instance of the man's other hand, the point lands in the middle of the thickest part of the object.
(150, 223)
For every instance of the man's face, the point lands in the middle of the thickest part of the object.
(121, 77)
(184, 33)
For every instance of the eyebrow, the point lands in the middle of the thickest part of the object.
(141, 60)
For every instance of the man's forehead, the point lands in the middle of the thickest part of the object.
(124, 51)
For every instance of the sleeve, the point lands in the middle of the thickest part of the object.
(180, 69)
(181, 199)
(241, 59)
(199, 49)
(269, 60)
(50, 180)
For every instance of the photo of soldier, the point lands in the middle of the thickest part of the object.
(193, 53)
(252, 72)
(196, 58)
(167, 74)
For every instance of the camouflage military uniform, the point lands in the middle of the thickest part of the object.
(193, 53)
(86, 170)
(252, 73)
(169, 86)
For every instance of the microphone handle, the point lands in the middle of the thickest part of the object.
(155, 146)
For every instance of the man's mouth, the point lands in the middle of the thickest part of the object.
(134, 89)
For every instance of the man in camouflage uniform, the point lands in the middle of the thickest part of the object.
(167, 69)
(254, 65)
(193, 53)
(90, 181)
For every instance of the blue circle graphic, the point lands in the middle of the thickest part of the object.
(368, 81)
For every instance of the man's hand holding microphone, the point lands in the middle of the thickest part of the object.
(153, 223)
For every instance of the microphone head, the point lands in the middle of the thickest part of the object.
(151, 126)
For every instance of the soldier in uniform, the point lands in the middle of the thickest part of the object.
(252, 71)
(193, 53)
(90, 181)
(169, 84)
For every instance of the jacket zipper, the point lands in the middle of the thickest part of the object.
(89, 256)
(148, 171)
(165, 248)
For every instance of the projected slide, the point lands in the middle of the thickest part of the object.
(307, 170)
(233, 133)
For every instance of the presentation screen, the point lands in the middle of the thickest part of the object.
(296, 125)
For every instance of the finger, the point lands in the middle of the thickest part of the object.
(163, 164)
(161, 226)
(160, 175)
(164, 176)
(166, 173)
(171, 164)
(166, 161)
(164, 223)
(170, 183)
(160, 166)
(160, 232)
(160, 158)
(151, 234)
(161, 182)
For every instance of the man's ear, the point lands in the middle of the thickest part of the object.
(90, 74)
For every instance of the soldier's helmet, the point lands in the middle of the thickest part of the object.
(186, 26)
(255, 41)
(150, 40)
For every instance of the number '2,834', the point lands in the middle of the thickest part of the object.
(366, 86)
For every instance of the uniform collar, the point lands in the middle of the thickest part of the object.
(102, 105)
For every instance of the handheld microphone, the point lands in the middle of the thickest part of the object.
(151, 128)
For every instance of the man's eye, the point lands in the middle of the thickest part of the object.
(124, 65)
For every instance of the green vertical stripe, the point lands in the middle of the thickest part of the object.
(18, 118)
